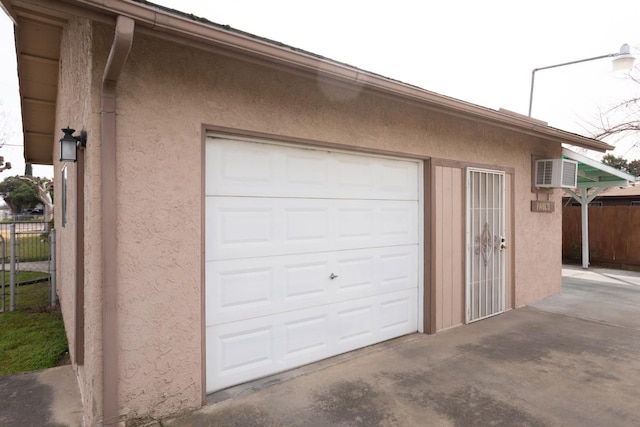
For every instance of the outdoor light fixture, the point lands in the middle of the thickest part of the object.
(69, 144)
(622, 61)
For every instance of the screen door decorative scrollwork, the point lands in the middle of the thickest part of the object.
(485, 284)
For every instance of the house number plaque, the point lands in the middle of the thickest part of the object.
(542, 206)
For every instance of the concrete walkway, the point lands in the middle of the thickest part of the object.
(571, 273)
(42, 398)
(567, 360)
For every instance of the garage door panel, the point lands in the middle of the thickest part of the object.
(242, 168)
(306, 280)
(239, 225)
(242, 288)
(237, 166)
(398, 178)
(307, 335)
(309, 253)
(254, 227)
(238, 289)
(306, 225)
(395, 313)
(356, 272)
(399, 221)
(355, 325)
(247, 349)
(356, 222)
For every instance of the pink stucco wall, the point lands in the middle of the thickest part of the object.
(166, 94)
(77, 108)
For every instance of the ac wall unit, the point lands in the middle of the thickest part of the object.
(556, 173)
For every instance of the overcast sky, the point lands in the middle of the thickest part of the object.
(477, 51)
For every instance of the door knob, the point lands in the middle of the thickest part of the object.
(333, 276)
(503, 245)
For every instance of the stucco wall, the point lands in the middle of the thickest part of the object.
(65, 234)
(159, 254)
(165, 96)
(77, 109)
(538, 236)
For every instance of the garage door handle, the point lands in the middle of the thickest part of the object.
(333, 276)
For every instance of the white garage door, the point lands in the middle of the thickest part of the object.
(309, 253)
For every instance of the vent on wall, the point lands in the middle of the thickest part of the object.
(556, 173)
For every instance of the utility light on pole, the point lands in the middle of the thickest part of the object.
(622, 61)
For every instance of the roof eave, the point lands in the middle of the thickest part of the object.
(6, 8)
(161, 19)
(186, 28)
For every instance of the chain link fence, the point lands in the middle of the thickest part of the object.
(27, 257)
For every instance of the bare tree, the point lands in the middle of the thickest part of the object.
(622, 120)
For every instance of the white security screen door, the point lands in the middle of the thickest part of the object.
(485, 289)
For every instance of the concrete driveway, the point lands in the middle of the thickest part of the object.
(569, 360)
(572, 359)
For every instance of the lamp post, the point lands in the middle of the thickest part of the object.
(623, 60)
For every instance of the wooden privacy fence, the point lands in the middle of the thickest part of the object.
(614, 235)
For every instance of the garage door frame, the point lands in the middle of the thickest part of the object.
(420, 226)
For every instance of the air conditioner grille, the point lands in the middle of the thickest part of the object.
(556, 173)
(569, 174)
(544, 172)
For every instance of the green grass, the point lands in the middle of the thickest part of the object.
(22, 276)
(32, 337)
(30, 247)
(33, 248)
(10, 220)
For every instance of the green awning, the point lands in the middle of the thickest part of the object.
(593, 174)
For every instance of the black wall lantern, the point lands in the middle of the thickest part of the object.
(69, 144)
